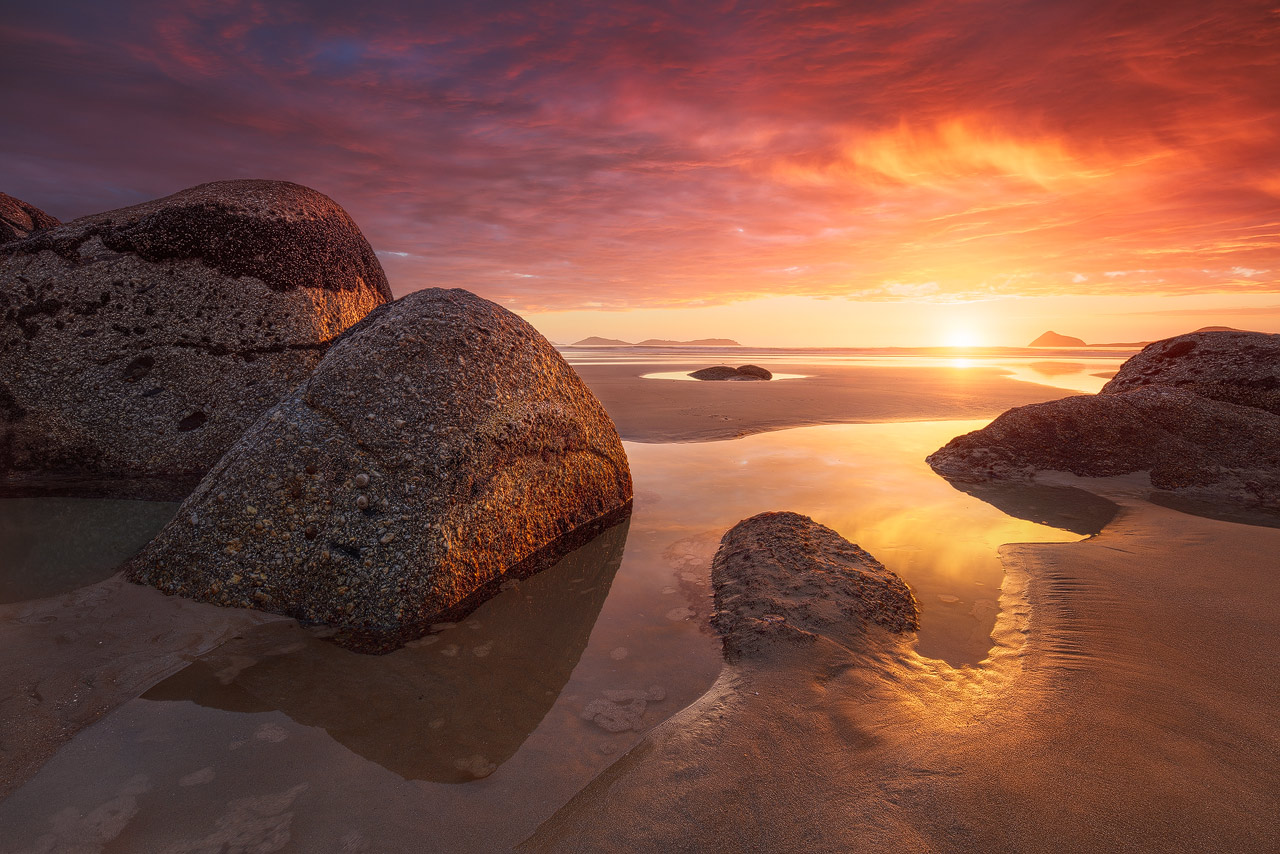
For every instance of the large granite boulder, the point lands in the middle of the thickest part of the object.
(1238, 367)
(1187, 442)
(782, 579)
(19, 219)
(143, 341)
(441, 444)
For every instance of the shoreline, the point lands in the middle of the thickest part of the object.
(665, 411)
(1090, 727)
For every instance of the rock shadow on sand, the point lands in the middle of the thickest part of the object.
(450, 707)
(1066, 507)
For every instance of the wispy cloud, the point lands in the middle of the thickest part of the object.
(568, 154)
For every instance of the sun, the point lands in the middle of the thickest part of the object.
(961, 338)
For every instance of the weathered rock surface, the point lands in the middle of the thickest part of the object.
(440, 444)
(1237, 367)
(726, 372)
(143, 341)
(1187, 442)
(781, 579)
(19, 219)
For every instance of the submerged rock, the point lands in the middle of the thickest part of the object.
(725, 372)
(19, 219)
(143, 341)
(1233, 366)
(1187, 442)
(782, 579)
(439, 445)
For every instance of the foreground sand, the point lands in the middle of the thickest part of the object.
(1129, 705)
(655, 410)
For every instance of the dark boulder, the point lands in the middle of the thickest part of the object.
(441, 444)
(782, 579)
(19, 219)
(1237, 367)
(731, 374)
(755, 371)
(143, 341)
(1187, 442)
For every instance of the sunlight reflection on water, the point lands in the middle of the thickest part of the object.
(542, 687)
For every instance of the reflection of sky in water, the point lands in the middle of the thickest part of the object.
(1077, 371)
(684, 375)
(278, 735)
(867, 481)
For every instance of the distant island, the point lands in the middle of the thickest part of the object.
(595, 341)
(1053, 339)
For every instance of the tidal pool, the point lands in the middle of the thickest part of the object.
(468, 738)
(53, 545)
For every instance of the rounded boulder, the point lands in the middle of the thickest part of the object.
(439, 446)
(142, 342)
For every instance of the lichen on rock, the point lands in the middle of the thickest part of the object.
(440, 444)
(143, 341)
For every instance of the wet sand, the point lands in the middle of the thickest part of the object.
(657, 410)
(1128, 705)
(68, 660)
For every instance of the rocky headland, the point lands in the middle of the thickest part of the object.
(440, 445)
(1199, 412)
(142, 342)
(1053, 339)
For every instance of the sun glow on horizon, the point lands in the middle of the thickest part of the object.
(962, 339)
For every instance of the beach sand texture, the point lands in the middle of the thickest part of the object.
(1128, 705)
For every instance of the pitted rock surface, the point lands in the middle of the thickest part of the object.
(1236, 367)
(19, 219)
(1201, 447)
(143, 341)
(781, 579)
(439, 444)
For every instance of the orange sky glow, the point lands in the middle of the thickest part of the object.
(788, 174)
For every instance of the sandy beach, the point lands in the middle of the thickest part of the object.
(1127, 706)
(1125, 703)
(653, 410)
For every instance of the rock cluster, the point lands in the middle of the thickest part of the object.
(19, 219)
(726, 372)
(1174, 410)
(1237, 367)
(781, 579)
(143, 341)
(440, 444)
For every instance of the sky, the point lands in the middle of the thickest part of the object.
(826, 173)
